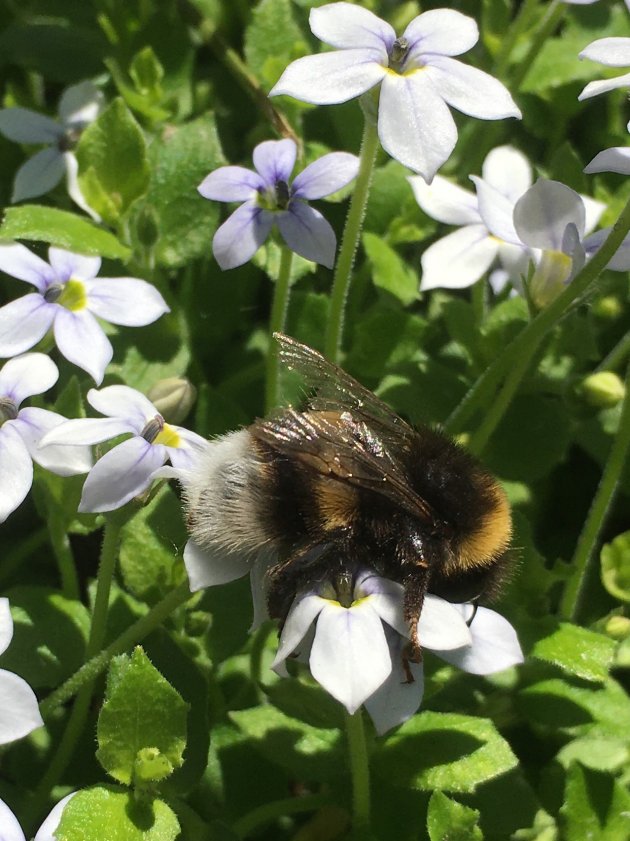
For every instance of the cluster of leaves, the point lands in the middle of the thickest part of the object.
(542, 752)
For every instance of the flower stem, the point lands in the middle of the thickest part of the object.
(277, 321)
(360, 770)
(516, 28)
(252, 821)
(62, 551)
(554, 14)
(350, 240)
(617, 355)
(583, 565)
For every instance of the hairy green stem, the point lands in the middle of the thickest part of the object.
(583, 564)
(360, 771)
(350, 240)
(60, 543)
(279, 308)
(262, 815)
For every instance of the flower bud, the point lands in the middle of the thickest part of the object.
(618, 627)
(173, 397)
(147, 230)
(608, 308)
(602, 390)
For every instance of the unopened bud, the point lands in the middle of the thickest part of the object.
(609, 308)
(602, 390)
(618, 627)
(147, 230)
(151, 766)
(173, 397)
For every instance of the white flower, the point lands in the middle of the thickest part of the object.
(19, 711)
(22, 429)
(613, 52)
(356, 652)
(418, 76)
(128, 468)
(68, 297)
(79, 105)
(10, 829)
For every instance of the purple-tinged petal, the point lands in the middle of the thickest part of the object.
(616, 159)
(32, 424)
(16, 260)
(345, 26)
(494, 645)
(304, 611)
(121, 401)
(11, 829)
(442, 32)
(6, 625)
(241, 235)
(191, 447)
(447, 202)
(325, 176)
(16, 469)
(39, 174)
(621, 259)
(496, 210)
(593, 211)
(82, 341)
(19, 712)
(508, 171)
(79, 432)
(68, 265)
(274, 160)
(614, 52)
(414, 124)
(24, 322)
(24, 126)
(73, 187)
(604, 86)
(120, 475)
(350, 657)
(308, 234)
(459, 259)
(208, 567)
(125, 300)
(470, 90)
(80, 104)
(231, 183)
(441, 626)
(48, 829)
(330, 78)
(26, 375)
(396, 700)
(386, 598)
(542, 214)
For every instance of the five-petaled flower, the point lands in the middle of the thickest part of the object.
(128, 468)
(12, 831)
(418, 76)
(79, 105)
(22, 429)
(356, 651)
(68, 297)
(269, 198)
(19, 713)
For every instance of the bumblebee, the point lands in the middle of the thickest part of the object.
(344, 484)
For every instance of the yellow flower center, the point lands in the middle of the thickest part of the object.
(71, 295)
(168, 436)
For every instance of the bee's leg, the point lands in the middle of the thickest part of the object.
(415, 585)
(286, 578)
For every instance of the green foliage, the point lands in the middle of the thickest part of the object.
(578, 651)
(615, 559)
(448, 820)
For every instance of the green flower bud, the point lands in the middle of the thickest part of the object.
(147, 230)
(602, 390)
(618, 627)
(173, 397)
(609, 308)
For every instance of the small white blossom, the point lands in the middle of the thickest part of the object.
(19, 712)
(10, 829)
(613, 52)
(79, 105)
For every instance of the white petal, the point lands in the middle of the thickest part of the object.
(274, 160)
(125, 300)
(6, 625)
(441, 626)
(459, 259)
(441, 32)
(496, 211)
(26, 375)
(47, 830)
(304, 610)
(69, 265)
(24, 322)
(19, 712)
(350, 657)
(80, 104)
(80, 432)
(16, 469)
(11, 829)
(32, 424)
(39, 174)
(16, 260)
(121, 401)
(514, 260)
(542, 214)
(308, 233)
(593, 211)
(241, 235)
(445, 201)
(345, 25)
(396, 700)
(82, 341)
(414, 124)
(185, 456)
(72, 185)
(470, 90)
(209, 567)
(620, 261)
(386, 598)
(24, 126)
(616, 159)
(508, 171)
(605, 85)
(330, 78)
(231, 183)
(120, 475)
(614, 52)
(494, 645)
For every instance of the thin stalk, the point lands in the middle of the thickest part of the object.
(360, 770)
(262, 815)
(583, 564)
(516, 28)
(279, 308)
(617, 355)
(350, 240)
(548, 26)
(62, 551)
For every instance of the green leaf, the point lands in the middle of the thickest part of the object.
(272, 40)
(58, 227)
(389, 193)
(597, 754)
(113, 166)
(141, 710)
(448, 820)
(596, 807)
(383, 338)
(108, 814)
(444, 751)
(577, 650)
(615, 560)
(389, 272)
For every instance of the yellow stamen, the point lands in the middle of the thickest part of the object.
(168, 436)
(73, 296)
